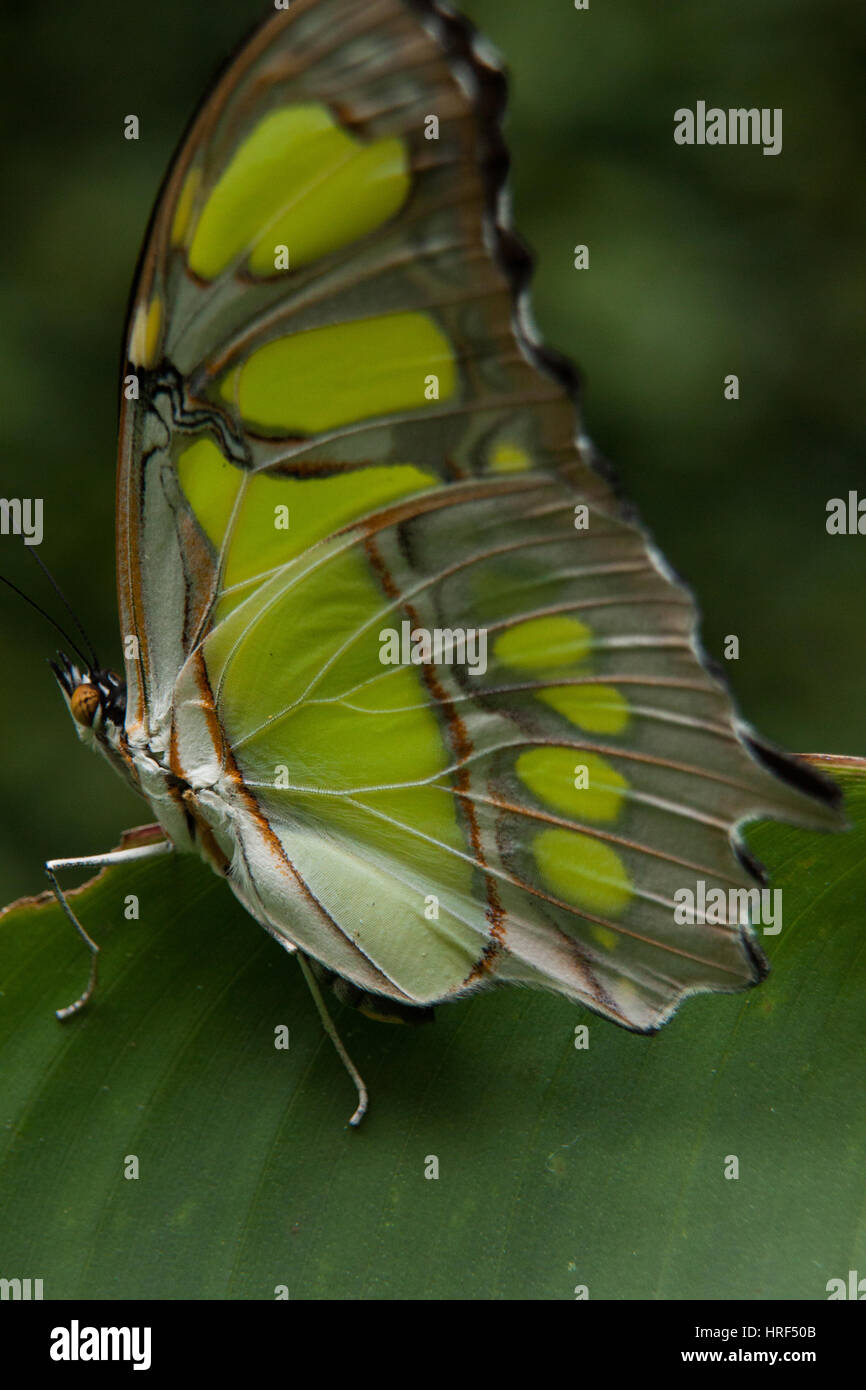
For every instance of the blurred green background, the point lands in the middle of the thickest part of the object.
(703, 262)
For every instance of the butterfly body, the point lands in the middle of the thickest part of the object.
(337, 421)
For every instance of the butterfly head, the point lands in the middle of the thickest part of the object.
(96, 699)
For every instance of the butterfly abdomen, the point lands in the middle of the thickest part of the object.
(374, 1006)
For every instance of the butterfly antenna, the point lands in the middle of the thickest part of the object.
(328, 1024)
(93, 659)
(48, 618)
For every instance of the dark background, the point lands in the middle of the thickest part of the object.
(704, 261)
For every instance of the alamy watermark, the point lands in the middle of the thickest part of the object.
(22, 516)
(20, 1290)
(701, 905)
(738, 125)
(854, 1287)
(443, 646)
(77, 1343)
(846, 516)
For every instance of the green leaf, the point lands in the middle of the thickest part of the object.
(558, 1167)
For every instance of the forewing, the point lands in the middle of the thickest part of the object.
(346, 436)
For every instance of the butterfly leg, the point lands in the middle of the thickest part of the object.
(328, 1024)
(114, 856)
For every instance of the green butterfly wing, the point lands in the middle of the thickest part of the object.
(349, 450)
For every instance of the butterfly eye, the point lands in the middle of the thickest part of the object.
(85, 703)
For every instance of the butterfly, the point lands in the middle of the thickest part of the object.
(398, 663)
